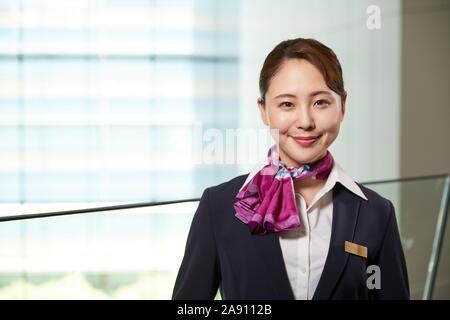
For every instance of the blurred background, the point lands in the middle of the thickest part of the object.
(102, 102)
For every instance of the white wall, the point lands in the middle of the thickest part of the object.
(368, 145)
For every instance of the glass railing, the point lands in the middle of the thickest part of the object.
(134, 251)
(422, 209)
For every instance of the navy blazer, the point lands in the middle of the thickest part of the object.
(222, 253)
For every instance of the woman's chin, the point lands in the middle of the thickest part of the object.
(308, 156)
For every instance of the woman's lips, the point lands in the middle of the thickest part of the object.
(306, 141)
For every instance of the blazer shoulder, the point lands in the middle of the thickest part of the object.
(377, 203)
(222, 196)
(372, 195)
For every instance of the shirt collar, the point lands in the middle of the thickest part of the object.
(338, 174)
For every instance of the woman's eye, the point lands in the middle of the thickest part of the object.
(286, 104)
(322, 103)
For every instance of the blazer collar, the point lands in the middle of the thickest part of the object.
(345, 214)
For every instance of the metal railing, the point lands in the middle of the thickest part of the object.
(437, 241)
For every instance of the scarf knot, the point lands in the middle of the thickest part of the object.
(267, 202)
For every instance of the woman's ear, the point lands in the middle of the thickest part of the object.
(262, 111)
(343, 101)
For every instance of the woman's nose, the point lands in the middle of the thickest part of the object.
(304, 119)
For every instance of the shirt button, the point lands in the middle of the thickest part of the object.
(302, 270)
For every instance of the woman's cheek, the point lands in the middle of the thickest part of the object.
(331, 133)
(329, 122)
(280, 121)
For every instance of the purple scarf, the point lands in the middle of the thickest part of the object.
(267, 203)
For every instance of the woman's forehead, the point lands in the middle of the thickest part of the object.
(297, 76)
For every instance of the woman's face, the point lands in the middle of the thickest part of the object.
(305, 111)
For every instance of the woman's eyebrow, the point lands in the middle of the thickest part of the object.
(315, 93)
(312, 94)
(286, 95)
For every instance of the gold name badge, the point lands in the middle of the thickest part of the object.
(356, 249)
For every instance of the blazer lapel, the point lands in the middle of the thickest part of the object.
(268, 247)
(345, 215)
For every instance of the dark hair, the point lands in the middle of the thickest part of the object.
(319, 55)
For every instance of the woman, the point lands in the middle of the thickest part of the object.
(298, 227)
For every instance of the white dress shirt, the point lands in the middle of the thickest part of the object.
(305, 249)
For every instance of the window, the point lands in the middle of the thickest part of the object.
(99, 100)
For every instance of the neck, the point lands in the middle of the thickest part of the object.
(308, 184)
(308, 188)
